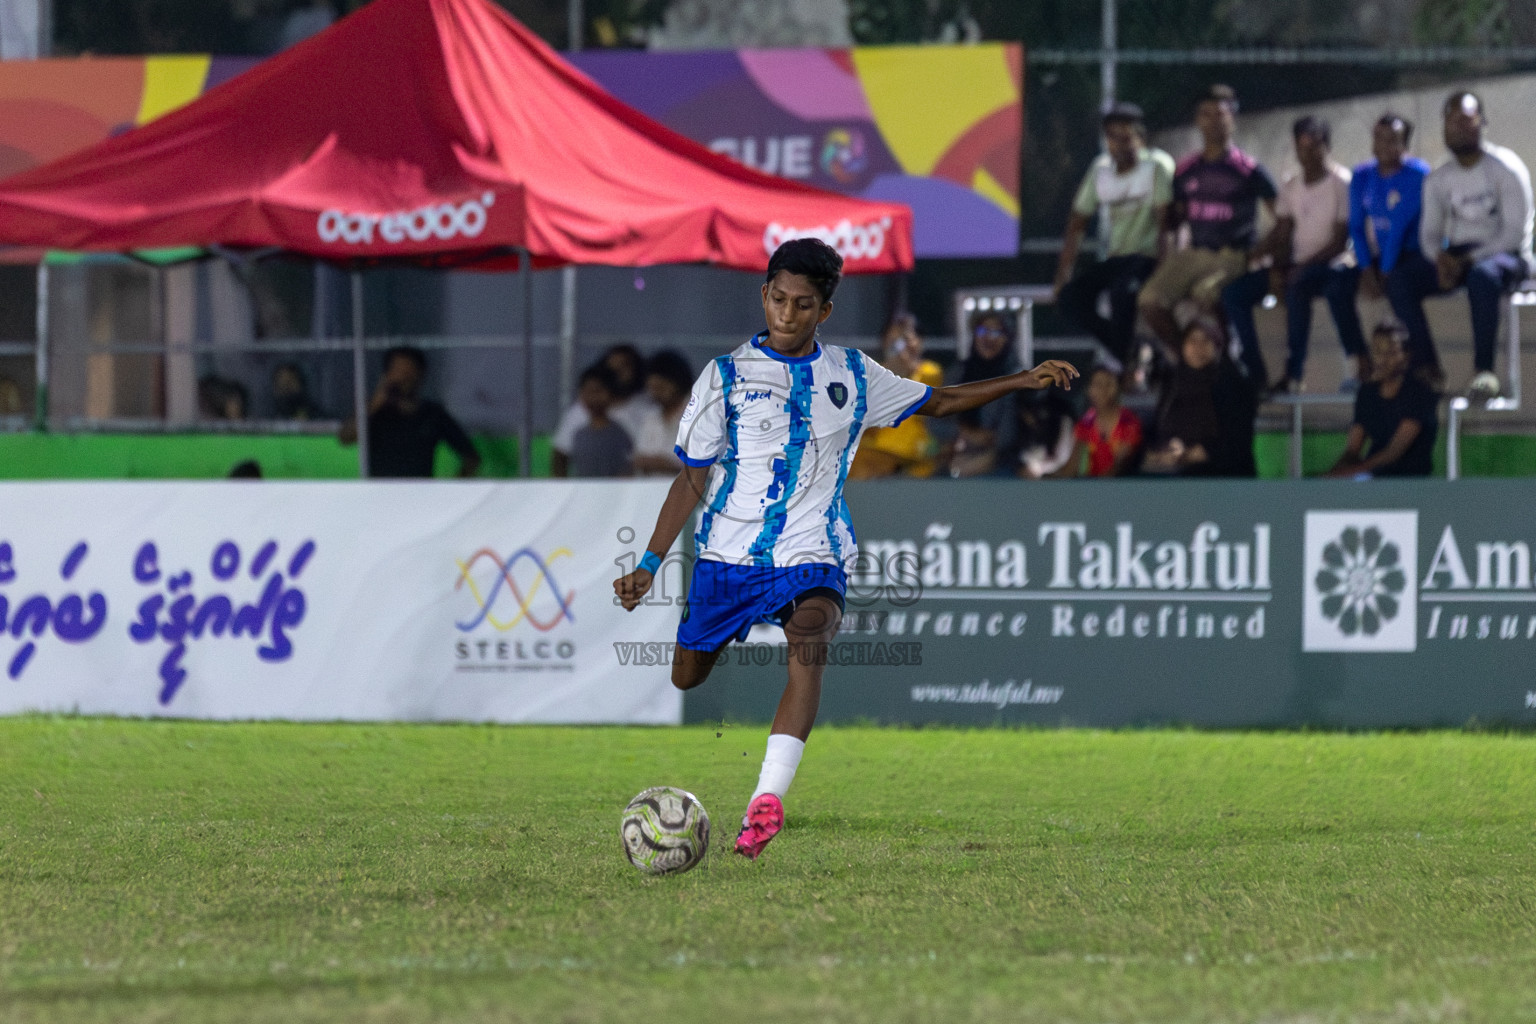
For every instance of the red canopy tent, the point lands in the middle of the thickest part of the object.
(437, 132)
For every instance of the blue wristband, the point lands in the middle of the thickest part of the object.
(650, 562)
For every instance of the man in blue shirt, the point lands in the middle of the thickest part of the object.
(1385, 199)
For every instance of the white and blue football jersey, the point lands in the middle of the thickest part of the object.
(781, 434)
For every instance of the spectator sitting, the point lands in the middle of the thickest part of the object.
(1134, 185)
(1476, 226)
(1216, 191)
(404, 429)
(1205, 420)
(1310, 235)
(630, 408)
(669, 383)
(1108, 437)
(1385, 199)
(220, 399)
(1043, 422)
(600, 448)
(290, 394)
(986, 432)
(1395, 412)
(907, 448)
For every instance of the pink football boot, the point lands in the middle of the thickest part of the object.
(765, 817)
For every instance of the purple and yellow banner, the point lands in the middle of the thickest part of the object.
(935, 127)
(50, 108)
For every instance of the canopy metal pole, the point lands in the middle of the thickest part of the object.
(40, 360)
(567, 333)
(320, 318)
(359, 374)
(525, 425)
(575, 39)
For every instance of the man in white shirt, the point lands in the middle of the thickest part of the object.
(1310, 236)
(668, 382)
(766, 441)
(631, 410)
(1476, 228)
(1133, 184)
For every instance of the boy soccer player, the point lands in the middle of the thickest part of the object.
(766, 442)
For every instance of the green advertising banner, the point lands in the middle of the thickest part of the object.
(1222, 603)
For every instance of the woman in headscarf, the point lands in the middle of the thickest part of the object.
(1205, 418)
(986, 436)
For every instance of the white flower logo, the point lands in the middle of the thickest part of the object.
(1361, 581)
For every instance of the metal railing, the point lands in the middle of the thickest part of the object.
(1015, 300)
(359, 345)
(1458, 407)
(1383, 56)
(1020, 301)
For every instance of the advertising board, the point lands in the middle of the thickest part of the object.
(1213, 603)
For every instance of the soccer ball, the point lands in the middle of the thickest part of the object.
(665, 831)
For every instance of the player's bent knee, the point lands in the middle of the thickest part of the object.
(814, 621)
(690, 668)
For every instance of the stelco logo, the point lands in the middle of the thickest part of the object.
(852, 241)
(524, 587)
(440, 220)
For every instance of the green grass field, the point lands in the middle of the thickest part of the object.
(158, 871)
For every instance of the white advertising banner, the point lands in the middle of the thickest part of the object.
(461, 601)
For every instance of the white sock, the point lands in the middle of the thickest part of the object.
(779, 765)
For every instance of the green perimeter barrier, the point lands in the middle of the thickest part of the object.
(1481, 454)
(46, 456)
(1330, 603)
(38, 456)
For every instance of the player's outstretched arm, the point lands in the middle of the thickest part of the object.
(963, 397)
(686, 491)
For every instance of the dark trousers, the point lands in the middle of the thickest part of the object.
(1306, 284)
(1120, 276)
(1414, 279)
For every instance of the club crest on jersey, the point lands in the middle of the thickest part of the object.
(838, 392)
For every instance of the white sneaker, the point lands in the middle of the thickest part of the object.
(1484, 386)
(1351, 383)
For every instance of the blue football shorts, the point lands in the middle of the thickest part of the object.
(725, 601)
